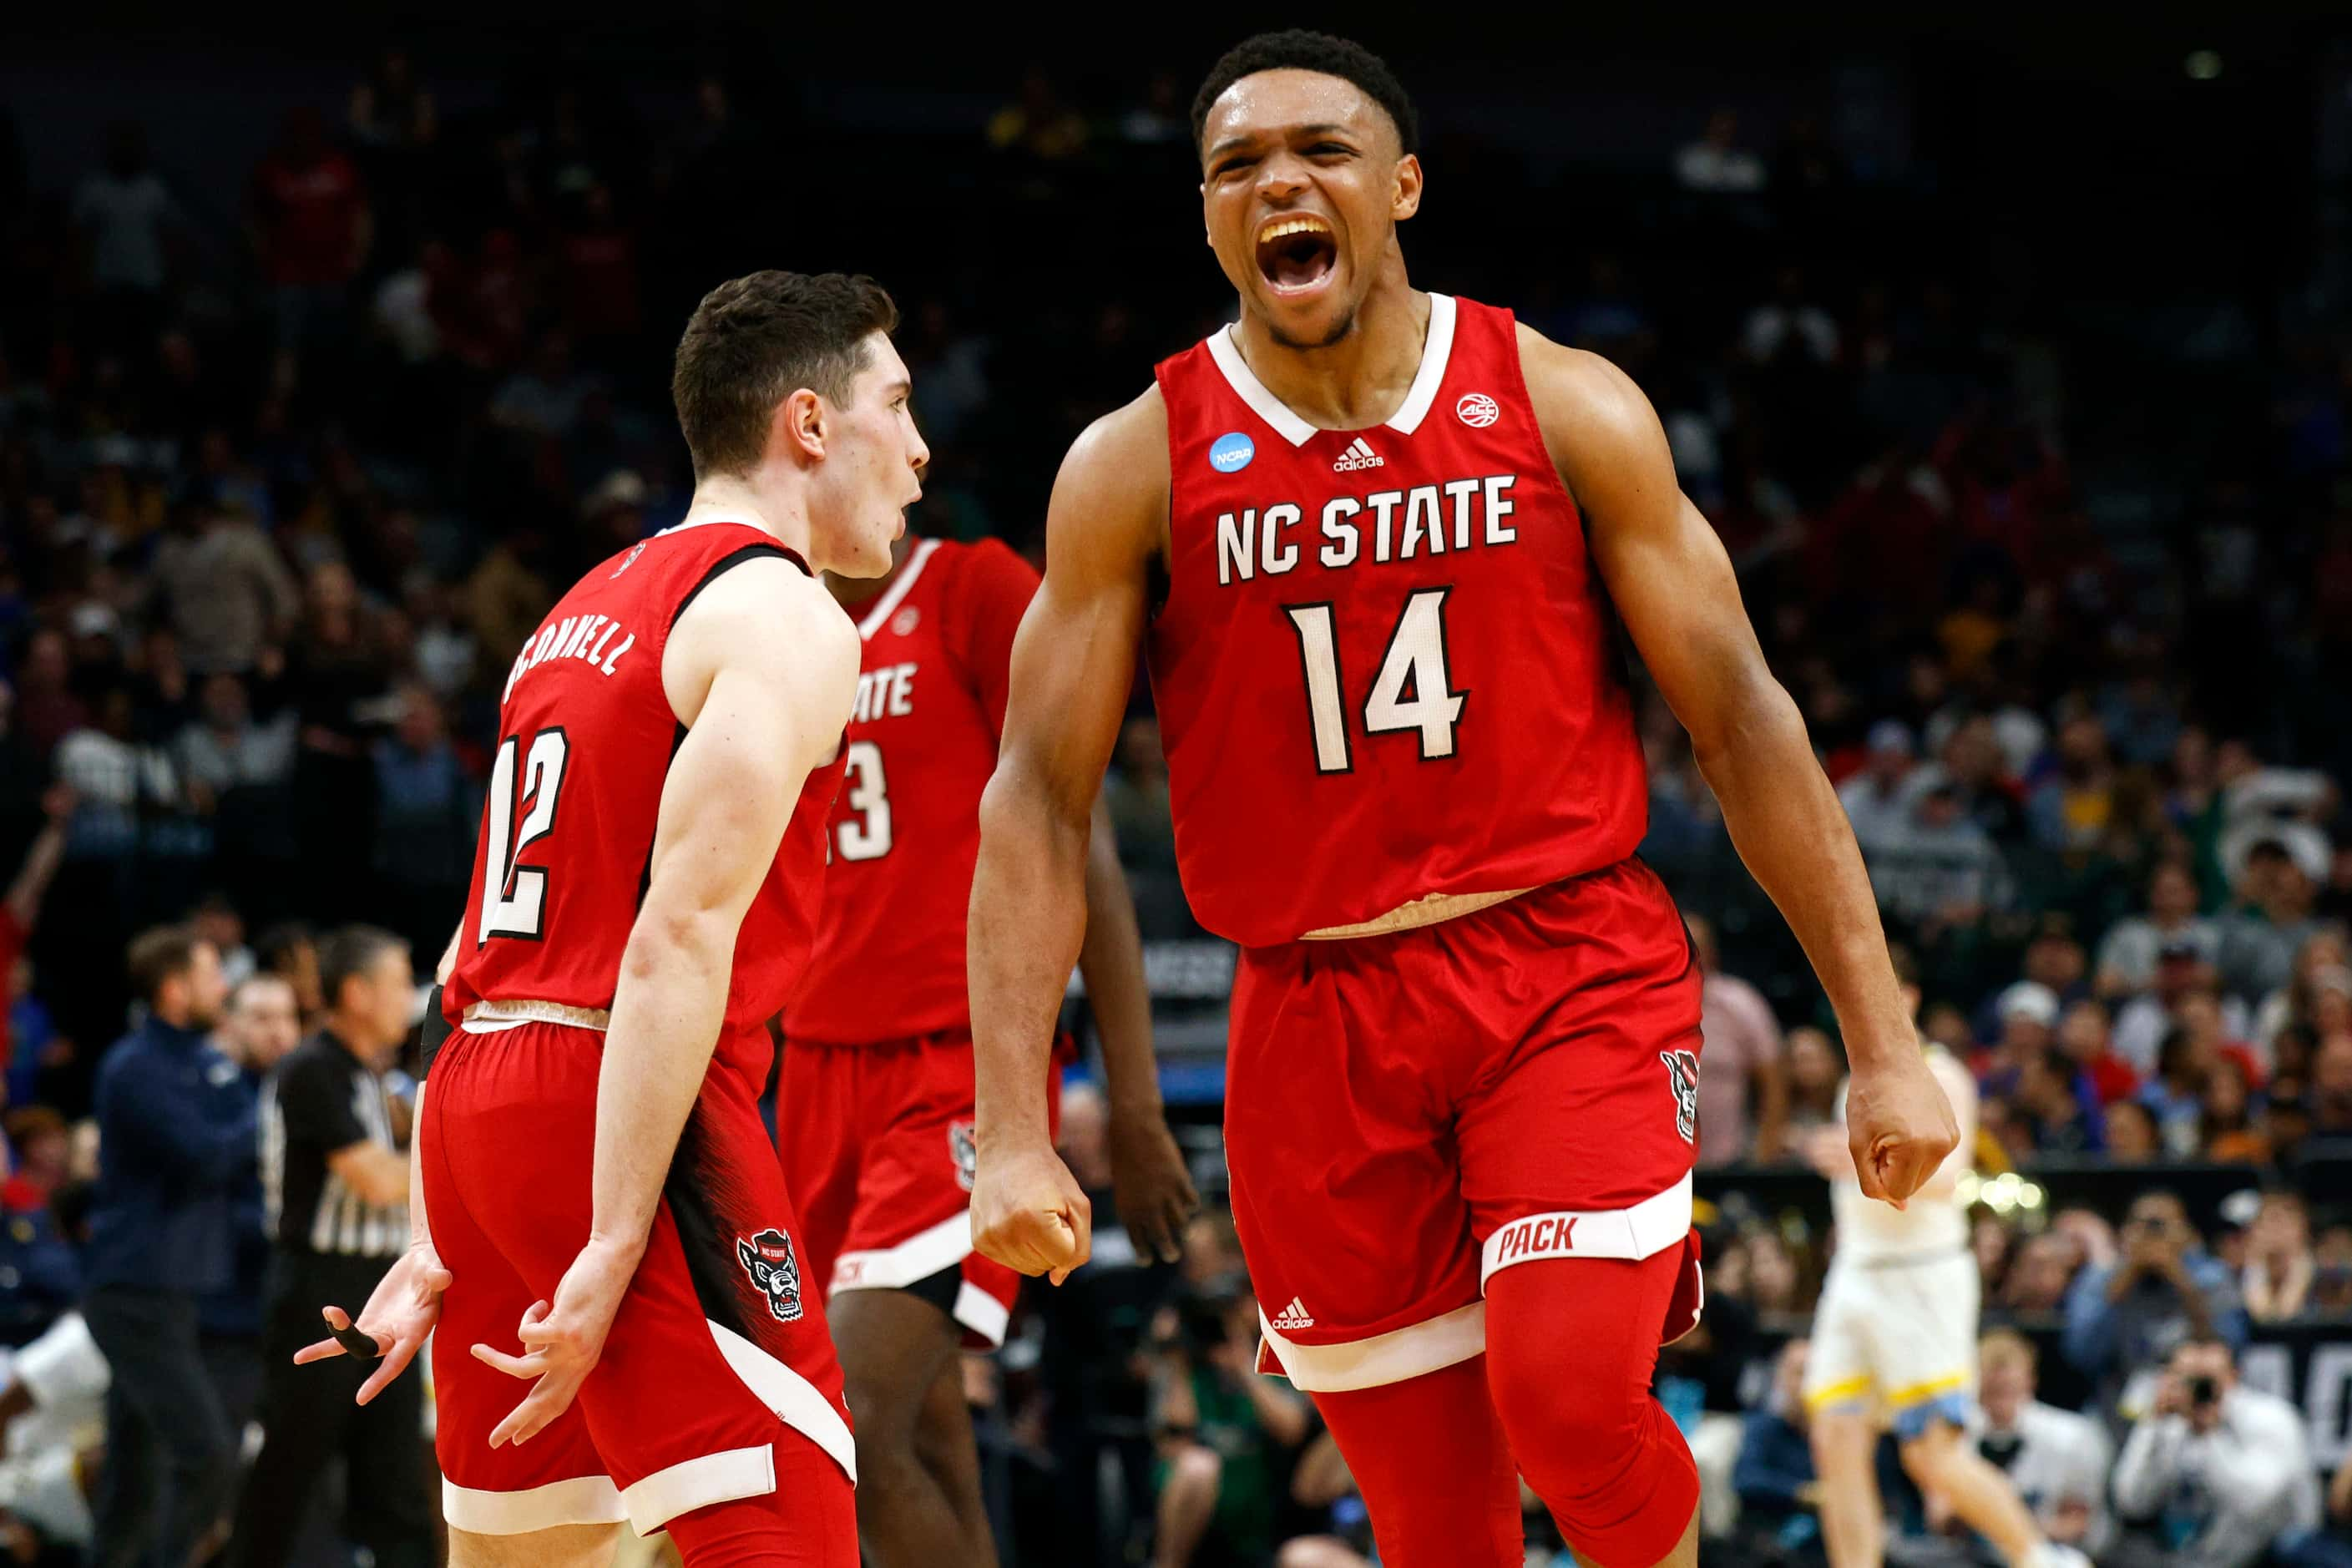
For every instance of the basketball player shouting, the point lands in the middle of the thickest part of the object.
(592, 1170)
(1394, 534)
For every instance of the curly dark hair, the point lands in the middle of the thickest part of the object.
(1297, 49)
(755, 340)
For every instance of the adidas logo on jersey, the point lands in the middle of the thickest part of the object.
(1295, 1316)
(1358, 456)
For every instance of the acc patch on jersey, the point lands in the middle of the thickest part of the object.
(768, 1258)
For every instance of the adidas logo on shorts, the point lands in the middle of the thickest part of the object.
(1358, 456)
(1295, 1316)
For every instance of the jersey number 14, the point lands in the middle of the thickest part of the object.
(1411, 690)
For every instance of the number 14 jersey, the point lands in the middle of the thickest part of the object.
(1386, 668)
(585, 738)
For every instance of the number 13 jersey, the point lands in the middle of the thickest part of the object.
(585, 738)
(1386, 668)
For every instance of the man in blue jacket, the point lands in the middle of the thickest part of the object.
(176, 1139)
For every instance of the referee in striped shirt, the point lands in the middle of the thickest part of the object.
(334, 1178)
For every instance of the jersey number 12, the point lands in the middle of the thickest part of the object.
(514, 896)
(1411, 691)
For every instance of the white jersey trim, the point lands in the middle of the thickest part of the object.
(896, 594)
(980, 1312)
(793, 1398)
(1413, 1351)
(913, 1261)
(1436, 352)
(699, 1483)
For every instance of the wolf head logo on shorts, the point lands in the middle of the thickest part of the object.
(767, 1257)
(966, 1152)
(1682, 1076)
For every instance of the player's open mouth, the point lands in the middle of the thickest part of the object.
(1297, 253)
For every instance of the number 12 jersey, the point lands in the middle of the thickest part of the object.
(1386, 668)
(585, 738)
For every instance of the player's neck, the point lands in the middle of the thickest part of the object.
(726, 498)
(1357, 382)
(854, 590)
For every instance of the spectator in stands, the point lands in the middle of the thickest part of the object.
(310, 226)
(127, 217)
(2071, 809)
(2176, 1095)
(1717, 163)
(1039, 123)
(2216, 1474)
(2330, 1095)
(116, 779)
(2141, 1026)
(2283, 871)
(2132, 1135)
(2128, 958)
(260, 1029)
(1941, 868)
(427, 812)
(1874, 799)
(1224, 1432)
(291, 953)
(2059, 1116)
(2037, 1282)
(2084, 1036)
(1741, 1082)
(176, 1136)
(2123, 1317)
(2229, 1130)
(1320, 1482)
(227, 750)
(2280, 1265)
(2319, 997)
(224, 591)
(52, 1405)
(2331, 1285)
(2026, 1014)
(1778, 1491)
(1815, 1066)
(2056, 1459)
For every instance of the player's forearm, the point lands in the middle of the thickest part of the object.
(666, 1013)
(1110, 958)
(1789, 828)
(1028, 920)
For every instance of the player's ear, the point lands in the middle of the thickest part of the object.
(801, 426)
(1407, 199)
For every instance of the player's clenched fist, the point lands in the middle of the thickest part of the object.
(1898, 1124)
(1028, 1213)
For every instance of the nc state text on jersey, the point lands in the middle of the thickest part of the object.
(574, 636)
(1401, 525)
(888, 692)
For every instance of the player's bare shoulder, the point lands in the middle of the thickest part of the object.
(767, 618)
(1110, 499)
(1593, 413)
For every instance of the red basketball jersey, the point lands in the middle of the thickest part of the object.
(1386, 666)
(585, 738)
(890, 961)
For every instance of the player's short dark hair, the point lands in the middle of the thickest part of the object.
(157, 955)
(1298, 49)
(349, 953)
(755, 340)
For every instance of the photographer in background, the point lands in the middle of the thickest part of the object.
(2215, 1475)
(2124, 1318)
(1225, 1434)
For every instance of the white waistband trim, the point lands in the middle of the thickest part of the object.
(489, 1017)
(698, 1483)
(1413, 1351)
(1415, 913)
(913, 1261)
(1651, 1226)
(583, 1500)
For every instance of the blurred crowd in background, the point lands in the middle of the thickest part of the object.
(287, 472)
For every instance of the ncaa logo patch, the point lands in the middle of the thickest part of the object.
(1476, 410)
(1231, 452)
(769, 1259)
(906, 621)
(1682, 1076)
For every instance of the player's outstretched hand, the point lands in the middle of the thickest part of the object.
(563, 1342)
(1898, 1124)
(1153, 1187)
(1028, 1213)
(398, 1317)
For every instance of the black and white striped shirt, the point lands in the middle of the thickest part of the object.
(323, 1099)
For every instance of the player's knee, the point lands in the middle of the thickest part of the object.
(1194, 1471)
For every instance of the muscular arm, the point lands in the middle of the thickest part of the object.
(1673, 585)
(760, 668)
(1072, 665)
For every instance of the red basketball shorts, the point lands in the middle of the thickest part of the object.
(1407, 1113)
(876, 1144)
(719, 1354)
